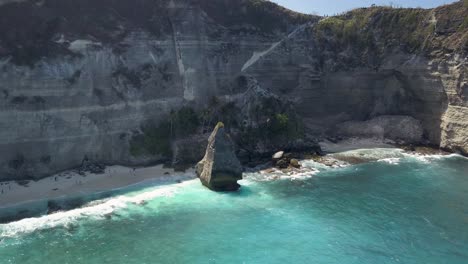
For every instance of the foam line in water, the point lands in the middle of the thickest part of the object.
(393, 161)
(101, 209)
(97, 210)
(428, 158)
(279, 175)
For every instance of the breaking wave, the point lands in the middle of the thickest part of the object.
(105, 208)
(99, 209)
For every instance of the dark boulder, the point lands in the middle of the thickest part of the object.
(295, 163)
(89, 166)
(283, 161)
(220, 169)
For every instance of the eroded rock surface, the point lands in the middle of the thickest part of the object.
(398, 128)
(220, 169)
(137, 82)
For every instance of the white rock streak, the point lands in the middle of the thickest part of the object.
(257, 55)
(189, 94)
(81, 45)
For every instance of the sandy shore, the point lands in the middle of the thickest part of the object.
(68, 184)
(354, 144)
(71, 183)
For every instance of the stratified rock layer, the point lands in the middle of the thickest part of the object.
(220, 169)
(399, 128)
(107, 79)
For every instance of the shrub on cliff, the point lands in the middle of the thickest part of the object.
(156, 138)
(364, 34)
(184, 122)
(256, 16)
(284, 127)
(406, 26)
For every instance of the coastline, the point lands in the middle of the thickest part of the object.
(344, 153)
(18, 196)
(70, 183)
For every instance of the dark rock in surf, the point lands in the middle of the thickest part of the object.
(283, 161)
(220, 169)
(295, 163)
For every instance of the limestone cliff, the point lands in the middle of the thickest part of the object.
(137, 81)
(402, 62)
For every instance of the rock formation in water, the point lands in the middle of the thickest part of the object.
(220, 169)
(139, 82)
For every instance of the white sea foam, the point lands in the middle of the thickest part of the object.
(392, 155)
(99, 209)
(393, 161)
(313, 165)
(275, 174)
(429, 158)
(370, 154)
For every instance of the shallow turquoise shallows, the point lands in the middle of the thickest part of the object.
(410, 211)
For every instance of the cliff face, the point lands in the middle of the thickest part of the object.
(135, 82)
(414, 61)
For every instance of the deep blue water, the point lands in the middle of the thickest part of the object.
(415, 211)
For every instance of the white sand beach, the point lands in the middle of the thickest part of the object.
(71, 183)
(354, 144)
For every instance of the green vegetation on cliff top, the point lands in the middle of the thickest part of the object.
(254, 15)
(413, 29)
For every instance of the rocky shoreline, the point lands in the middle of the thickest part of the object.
(290, 165)
(321, 153)
(148, 91)
(57, 192)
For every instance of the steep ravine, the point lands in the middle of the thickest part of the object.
(140, 82)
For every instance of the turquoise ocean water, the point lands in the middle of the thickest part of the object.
(408, 210)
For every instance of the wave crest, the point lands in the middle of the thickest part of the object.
(99, 209)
